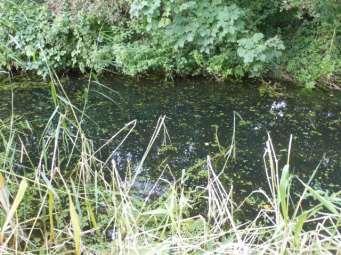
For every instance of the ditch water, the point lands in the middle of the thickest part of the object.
(195, 111)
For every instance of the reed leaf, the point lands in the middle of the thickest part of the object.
(18, 198)
(75, 227)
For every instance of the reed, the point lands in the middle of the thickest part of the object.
(70, 199)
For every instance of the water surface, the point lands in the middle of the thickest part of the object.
(196, 111)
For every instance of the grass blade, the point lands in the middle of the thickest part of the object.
(75, 227)
(18, 198)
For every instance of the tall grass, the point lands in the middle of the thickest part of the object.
(69, 200)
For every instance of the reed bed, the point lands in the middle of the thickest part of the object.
(67, 199)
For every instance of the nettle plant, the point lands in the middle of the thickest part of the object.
(212, 35)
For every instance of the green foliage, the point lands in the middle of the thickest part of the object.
(314, 60)
(210, 36)
(136, 58)
(314, 55)
(256, 52)
(322, 11)
(220, 38)
(32, 39)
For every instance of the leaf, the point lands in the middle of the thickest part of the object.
(75, 227)
(284, 182)
(324, 201)
(159, 211)
(51, 208)
(298, 227)
(20, 194)
(4, 197)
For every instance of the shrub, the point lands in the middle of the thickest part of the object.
(314, 55)
(33, 39)
(224, 39)
(211, 36)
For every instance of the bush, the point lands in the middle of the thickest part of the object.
(33, 39)
(313, 57)
(212, 37)
(314, 60)
(224, 39)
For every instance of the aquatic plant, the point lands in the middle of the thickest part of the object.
(68, 197)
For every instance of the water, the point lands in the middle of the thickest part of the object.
(194, 111)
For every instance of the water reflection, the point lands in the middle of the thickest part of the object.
(199, 113)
